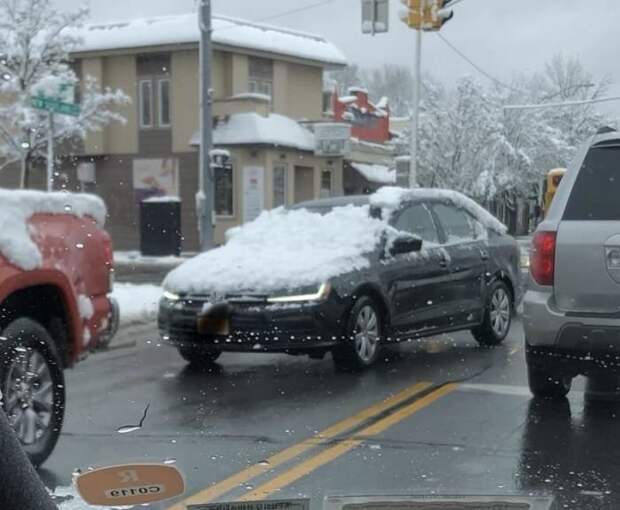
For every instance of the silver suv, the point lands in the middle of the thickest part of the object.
(572, 305)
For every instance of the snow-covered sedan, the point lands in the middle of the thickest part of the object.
(347, 275)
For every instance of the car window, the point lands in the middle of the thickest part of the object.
(417, 220)
(455, 223)
(599, 177)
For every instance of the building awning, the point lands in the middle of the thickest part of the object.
(378, 174)
(255, 129)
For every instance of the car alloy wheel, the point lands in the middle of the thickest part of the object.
(29, 397)
(500, 312)
(366, 333)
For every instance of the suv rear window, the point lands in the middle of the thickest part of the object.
(595, 195)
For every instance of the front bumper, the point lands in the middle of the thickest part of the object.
(255, 327)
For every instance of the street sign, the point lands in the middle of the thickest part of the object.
(332, 139)
(375, 16)
(53, 105)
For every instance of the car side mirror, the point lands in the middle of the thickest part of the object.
(405, 244)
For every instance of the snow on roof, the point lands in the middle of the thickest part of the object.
(304, 249)
(254, 129)
(355, 90)
(252, 95)
(16, 208)
(379, 174)
(390, 198)
(183, 28)
(347, 99)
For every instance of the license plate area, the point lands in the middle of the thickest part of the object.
(207, 325)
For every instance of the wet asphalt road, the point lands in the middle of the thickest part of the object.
(482, 435)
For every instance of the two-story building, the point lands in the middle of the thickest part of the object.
(265, 80)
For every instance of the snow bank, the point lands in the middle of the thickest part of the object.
(252, 128)
(137, 303)
(282, 250)
(376, 173)
(18, 206)
(183, 28)
(389, 198)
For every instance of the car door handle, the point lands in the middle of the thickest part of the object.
(484, 255)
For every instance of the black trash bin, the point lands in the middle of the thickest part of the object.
(160, 227)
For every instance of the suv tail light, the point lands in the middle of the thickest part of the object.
(542, 257)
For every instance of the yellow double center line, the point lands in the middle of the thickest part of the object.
(326, 456)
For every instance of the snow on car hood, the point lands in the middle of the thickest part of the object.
(16, 208)
(282, 250)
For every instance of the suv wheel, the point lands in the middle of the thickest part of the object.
(361, 345)
(497, 316)
(199, 357)
(33, 387)
(547, 383)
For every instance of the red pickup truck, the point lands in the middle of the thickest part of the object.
(55, 277)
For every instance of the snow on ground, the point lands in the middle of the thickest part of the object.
(16, 208)
(137, 303)
(135, 258)
(282, 250)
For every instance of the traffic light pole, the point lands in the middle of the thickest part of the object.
(205, 196)
(415, 117)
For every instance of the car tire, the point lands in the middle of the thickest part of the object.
(497, 319)
(199, 357)
(547, 383)
(34, 397)
(361, 344)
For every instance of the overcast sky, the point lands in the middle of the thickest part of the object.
(501, 36)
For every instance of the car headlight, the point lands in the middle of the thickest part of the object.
(320, 294)
(171, 296)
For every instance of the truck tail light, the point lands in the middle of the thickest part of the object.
(542, 258)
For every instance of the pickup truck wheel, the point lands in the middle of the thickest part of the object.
(497, 316)
(33, 387)
(199, 357)
(547, 383)
(361, 345)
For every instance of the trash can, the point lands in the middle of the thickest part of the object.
(160, 226)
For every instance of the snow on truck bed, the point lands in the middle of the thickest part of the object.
(16, 208)
(284, 250)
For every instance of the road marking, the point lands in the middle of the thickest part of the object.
(304, 468)
(499, 389)
(216, 490)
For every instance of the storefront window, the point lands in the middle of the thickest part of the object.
(279, 185)
(224, 191)
(326, 183)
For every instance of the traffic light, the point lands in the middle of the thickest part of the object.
(427, 15)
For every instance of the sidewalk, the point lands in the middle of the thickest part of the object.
(132, 267)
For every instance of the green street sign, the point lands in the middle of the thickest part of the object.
(55, 106)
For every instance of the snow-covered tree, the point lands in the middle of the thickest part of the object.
(35, 45)
(392, 81)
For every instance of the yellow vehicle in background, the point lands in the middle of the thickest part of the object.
(550, 186)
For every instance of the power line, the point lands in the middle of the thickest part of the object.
(476, 66)
(283, 14)
(559, 105)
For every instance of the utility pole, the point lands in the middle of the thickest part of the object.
(205, 196)
(415, 117)
(50, 151)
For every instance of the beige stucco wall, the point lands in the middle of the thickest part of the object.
(185, 99)
(304, 92)
(120, 73)
(280, 88)
(240, 74)
(95, 142)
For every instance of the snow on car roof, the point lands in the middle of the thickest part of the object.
(281, 250)
(183, 28)
(390, 198)
(16, 208)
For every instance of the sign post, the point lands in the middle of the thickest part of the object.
(61, 103)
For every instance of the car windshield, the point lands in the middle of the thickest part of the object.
(309, 254)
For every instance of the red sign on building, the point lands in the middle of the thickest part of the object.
(369, 122)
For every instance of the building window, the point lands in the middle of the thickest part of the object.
(326, 183)
(164, 103)
(280, 185)
(224, 191)
(146, 104)
(260, 76)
